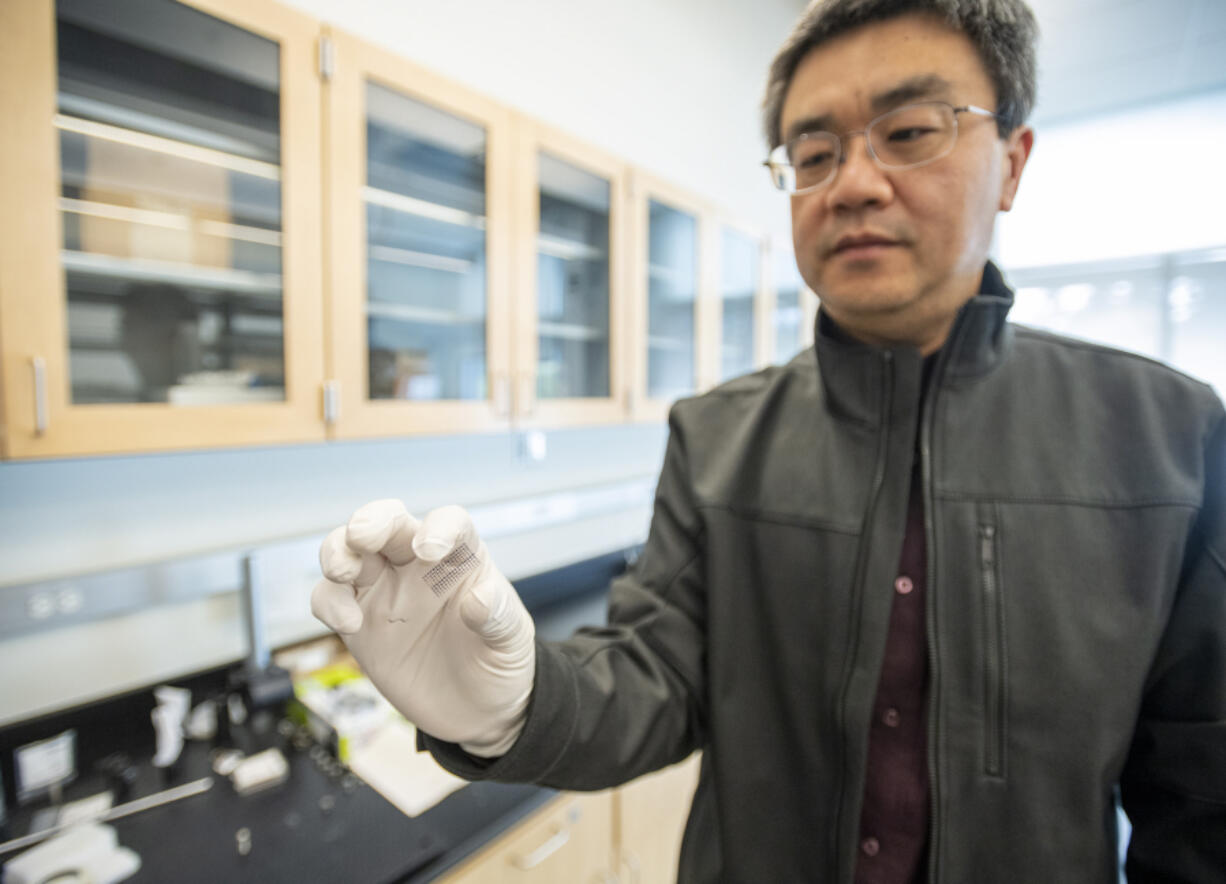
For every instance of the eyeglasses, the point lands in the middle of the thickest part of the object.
(903, 138)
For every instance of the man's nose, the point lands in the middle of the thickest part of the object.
(858, 181)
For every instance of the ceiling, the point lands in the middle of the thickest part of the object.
(1098, 55)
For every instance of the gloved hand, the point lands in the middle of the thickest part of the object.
(437, 629)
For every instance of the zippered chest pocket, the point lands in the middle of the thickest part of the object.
(995, 694)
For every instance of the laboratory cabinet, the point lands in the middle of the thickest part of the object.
(571, 257)
(744, 305)
(418, 230)
(566, 842)
(476, 280)
(671, 314)
(792, 306)
(650, 817)
(236, 225)
(159, 169)
(628, 835)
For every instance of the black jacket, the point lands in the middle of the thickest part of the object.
(1075, 507)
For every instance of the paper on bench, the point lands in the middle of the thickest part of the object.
(390, 763)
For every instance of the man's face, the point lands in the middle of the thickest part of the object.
(936, 218)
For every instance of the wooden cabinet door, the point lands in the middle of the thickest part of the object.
(672, 313)
(159, 253)
(651, 813)
(792, 307)
(418, 220)
(567, 842)
(743, 305)
(571, 349)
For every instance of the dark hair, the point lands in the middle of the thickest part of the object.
(1003, 32)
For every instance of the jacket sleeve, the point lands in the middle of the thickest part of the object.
(611, 703)
(1174, 783)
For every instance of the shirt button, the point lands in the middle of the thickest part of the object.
(870, 846)
(891, 718)
(904, 585)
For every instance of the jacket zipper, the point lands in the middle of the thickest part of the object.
(927, 420)
(887, 363)
(994, 725)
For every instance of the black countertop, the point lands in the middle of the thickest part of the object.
(322, 824)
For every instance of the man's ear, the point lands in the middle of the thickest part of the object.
(1017, 151)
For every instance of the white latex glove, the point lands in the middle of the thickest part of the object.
(435, 626)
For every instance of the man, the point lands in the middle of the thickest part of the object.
(926, 595)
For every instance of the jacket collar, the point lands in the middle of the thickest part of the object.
(980, 338)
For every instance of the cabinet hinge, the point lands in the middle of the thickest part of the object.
(332, 402)
(327, 58)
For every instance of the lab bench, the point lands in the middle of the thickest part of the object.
(322, 824)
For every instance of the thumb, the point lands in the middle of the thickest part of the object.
(477, 608)
(335, 605)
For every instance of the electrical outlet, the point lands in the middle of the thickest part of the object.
(533, 447)
(40, 606)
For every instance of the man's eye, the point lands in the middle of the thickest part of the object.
(911, 133)
(817, 159)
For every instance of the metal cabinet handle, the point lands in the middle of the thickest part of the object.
(502, 395)
(542, 853)
(526, 403)
(39, 365)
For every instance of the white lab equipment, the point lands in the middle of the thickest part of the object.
(168, 718)
(86, 853)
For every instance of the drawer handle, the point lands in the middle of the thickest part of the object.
(631, 862)
(542, 853)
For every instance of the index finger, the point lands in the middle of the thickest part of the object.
(383, 526)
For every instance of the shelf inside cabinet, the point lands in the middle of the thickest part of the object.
(569, 249)
(171, 221)
(156, 143)
(92, 116)
(413, 313)
(671, 344)
(415, 258)
(663, 272)
(190, 276)
(572, 331)
(422, 208)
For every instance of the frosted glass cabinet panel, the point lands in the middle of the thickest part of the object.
(1170, 307)
(792, 308)
(674, 310)
(740, 270)
(1196, 303)
(160, 261)
(425, 250)
(572, 295)
(418, 216)
(1120, 304)
(789, 319)
(672, 293)
(569, 212)
(169, 126)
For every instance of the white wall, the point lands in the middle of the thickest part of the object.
(1139, 182)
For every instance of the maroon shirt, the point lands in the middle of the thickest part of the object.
(894, 815)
